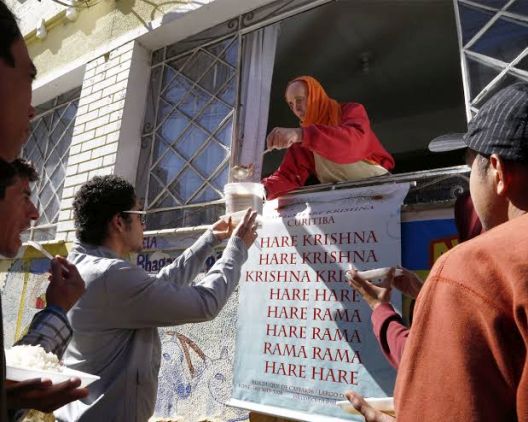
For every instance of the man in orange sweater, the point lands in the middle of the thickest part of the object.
(466, 355)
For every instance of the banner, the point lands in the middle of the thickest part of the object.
(426, 235)
(304, 335)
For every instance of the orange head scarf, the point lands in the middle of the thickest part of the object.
(320, 108)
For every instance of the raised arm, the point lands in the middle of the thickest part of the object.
(387, 324)
(50, 327)
(137, 299)
(186, 267)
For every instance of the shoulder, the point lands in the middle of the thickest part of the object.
(492, 265)
(353, 110)
(505, 243)
(93, 265)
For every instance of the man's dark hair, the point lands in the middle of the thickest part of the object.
(10, 171)
(96, 203)
(483, 163)
(9, 33)
(25, 169)
(7, 176)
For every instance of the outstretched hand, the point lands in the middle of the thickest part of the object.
(283, 137)
(223, 228)
(42, 395)
(369, 413)
(247, 228)
(373, 294)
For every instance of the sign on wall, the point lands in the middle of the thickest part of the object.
(426, 235)
(304, 335)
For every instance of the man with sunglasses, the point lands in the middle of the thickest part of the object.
(116, 322)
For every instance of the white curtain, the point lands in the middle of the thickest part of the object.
(257, 67)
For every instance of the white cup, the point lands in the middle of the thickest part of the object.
(241, 196)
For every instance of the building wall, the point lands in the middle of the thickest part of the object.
(106, 133)
(107, 52)
(103, 25)
(29, 12)
(96, 26)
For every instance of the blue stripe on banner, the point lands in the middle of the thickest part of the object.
(422, 241)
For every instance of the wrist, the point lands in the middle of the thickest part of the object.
(374, 304)
(299, 135)
(211, 238)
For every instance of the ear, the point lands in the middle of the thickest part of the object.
(117, 224)
(501, 175)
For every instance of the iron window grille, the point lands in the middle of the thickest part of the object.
(189, 130)
(48, 149)
(493, 36)
(187, 134)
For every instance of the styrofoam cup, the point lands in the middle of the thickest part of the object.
(244, 195)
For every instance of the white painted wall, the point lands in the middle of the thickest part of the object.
(29, 12)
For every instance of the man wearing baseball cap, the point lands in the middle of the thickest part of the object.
(466, 355)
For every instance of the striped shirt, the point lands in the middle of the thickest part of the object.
(50, 329)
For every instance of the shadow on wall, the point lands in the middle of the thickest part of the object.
(157, 9)
(102, 21)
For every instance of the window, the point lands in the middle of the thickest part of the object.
(47, 147)
(494, 43)
(191, 121)
(187, 134)
(400, 59)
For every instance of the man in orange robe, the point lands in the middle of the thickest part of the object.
(334, 143)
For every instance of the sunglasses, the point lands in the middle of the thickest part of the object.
(142, 215)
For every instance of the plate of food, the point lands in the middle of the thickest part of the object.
(383, 404)
(375, 275)
(26, 362)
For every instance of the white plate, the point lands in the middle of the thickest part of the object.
(16, 373)
(376, 274)
(383, 404)
(379, 273)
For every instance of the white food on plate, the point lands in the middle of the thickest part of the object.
(34, 357)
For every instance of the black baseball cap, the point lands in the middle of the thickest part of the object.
(500, 127)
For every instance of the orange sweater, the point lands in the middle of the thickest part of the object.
(465, 358)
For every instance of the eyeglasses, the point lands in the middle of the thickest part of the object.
(142, 215)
